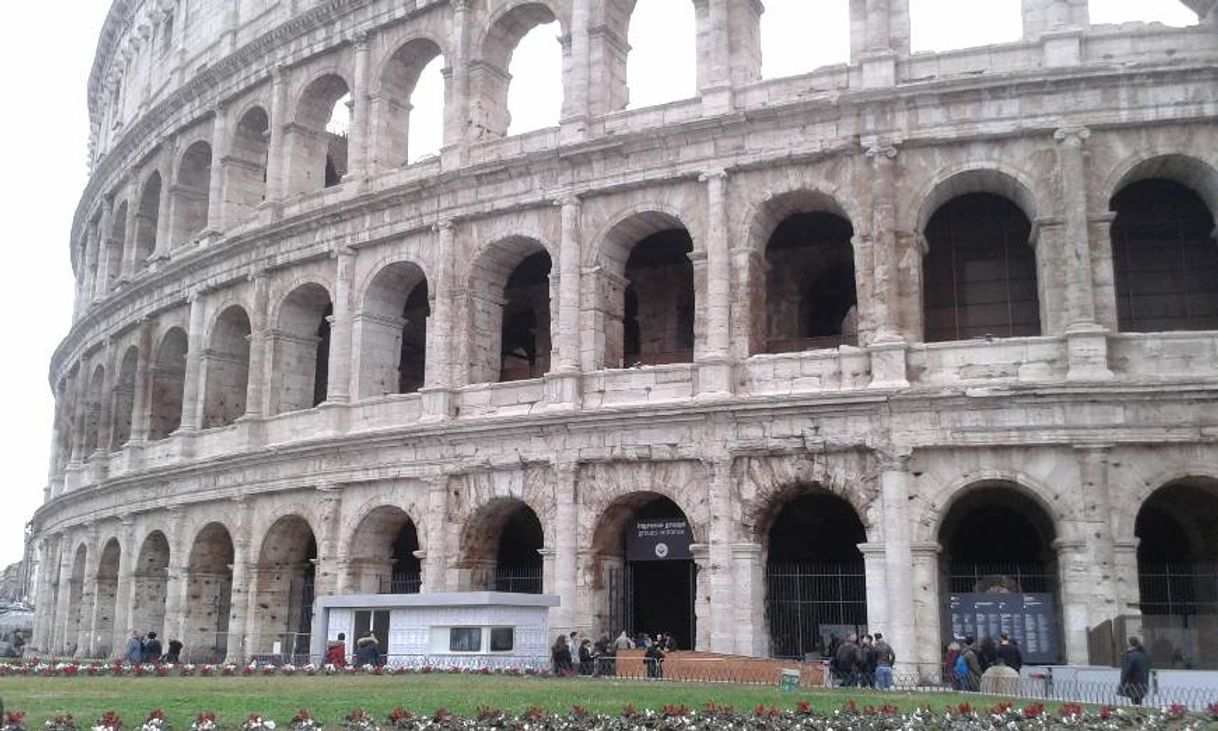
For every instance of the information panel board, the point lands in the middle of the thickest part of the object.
(658, 539)
(1030, 618)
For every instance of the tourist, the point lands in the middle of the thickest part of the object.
(336, 652)
(605, 654)
(1008, 652)
(1135, 672)
(653, 657)
(987, 652)
(949, 664)
(642, 641)
(174, 656)
(152, 648)
(1000, 679)
(18, 643)
(867, 662)
(585, 657)
(967, 667)
(845, 664)
(623, 642)
(885, 658)
(367, 651)
(133, 653)
(560, 656)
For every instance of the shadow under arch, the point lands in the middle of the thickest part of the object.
(500, 548)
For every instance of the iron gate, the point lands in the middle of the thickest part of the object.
(802, 597)
(1178, 589)
(520, 579)
(1009, 576)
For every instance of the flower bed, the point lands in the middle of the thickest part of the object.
(962, 717)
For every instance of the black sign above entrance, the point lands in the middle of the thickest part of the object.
(658, 539)
(1031, 619)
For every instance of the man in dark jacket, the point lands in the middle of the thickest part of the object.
(846, 662)
(885, 658)
(1135, 672)
(152, 649)
(867, 662)
(1009, 652)
(367, 651)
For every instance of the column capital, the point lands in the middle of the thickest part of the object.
(1072, 135)
(569, 200)
(894, 457)
(341, 251)
(715, 174)
(877, 148)
(361, 40)
(444, 225)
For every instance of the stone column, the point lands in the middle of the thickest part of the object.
(927, 613)
(1077, 586)
(59, 641)
(562, 381)
(86, 633)
(875, 568)
(438, 375)
(435, 568)
(723, 595)
(357, 139)
(192, 386)
(79, 407)
(164, 221)
(143, 382)
(126, 584)
(219, 150)
(105, 417)
(577, 79)
(89, 278)
(177, 583)
(339, 384)
(254, 387)
(888, 348)
(276, 162)
(457, 86)
(105, 225)
(243, 585)
(1125, 576)
(714, 52)
(752, 634)
(566, 542)
(879, 31)
(130, 265)
(714, 364)
(703, 613)
(327, 572)
(898, 556)
(44, 613)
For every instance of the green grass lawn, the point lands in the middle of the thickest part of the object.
(330, 698)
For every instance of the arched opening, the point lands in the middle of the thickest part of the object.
(947, 25)
(501, 84)
(501, 546)
(811, 300)
(997, 544)
(114, 245)
(644, 575)
(147, 217)
(509, 311)
(408, 110)
(209, 591)
(318, 140)
(124, 399)
(78, 619)
(980, 271)
(190, 194)
(93, 411)
(1168, 12)
(1177, 530)
(392, 329)
(226, 366)
(104, 641)
(383, 559)
(151, 579)
(286, 574)
(816, 586)
(64, 409)
(301, 347)
(1165, 260)
(662, 34)
(658, 302)
(168, 380)
(245, 167)
(525, 331)
(798, 36)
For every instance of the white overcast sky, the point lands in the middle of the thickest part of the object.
(48, 50)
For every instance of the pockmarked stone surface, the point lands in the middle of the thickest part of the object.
(914, 326)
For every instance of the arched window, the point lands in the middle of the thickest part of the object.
(226, 367)
(209, 578)
(383, 559)
(392, 328)
(168, 380)
(146, 218)
(407, 110)
(501, 548)
(663, 35)
(245, 166)
(93, 410)
(658, 313)
(498, 80)
(106, 636)
(301, 348)
(317, 142)
(124, 398)
(284, 590)
(115, 242)
(811, 301)
(190, 194)
(510, 311)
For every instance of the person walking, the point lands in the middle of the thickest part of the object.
(1008, 652)
(336, 652)
(133, 653)
(885, 658)
(653, 656)
(1135, 672)
(846, 662)
(949, 664)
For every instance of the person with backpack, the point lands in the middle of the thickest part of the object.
(885, 658)
(968, 667)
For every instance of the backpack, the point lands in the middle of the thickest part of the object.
(961, 667)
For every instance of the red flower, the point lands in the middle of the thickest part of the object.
(1212, 709)
(675, 711)
(629, 711)
(1106, 712)
(1070, 709)
(850, 706)
(534, 713)
(965, 709)
(804, 707)
(486, 713)
(1176, 710)
(579, 711)
(1033, 710)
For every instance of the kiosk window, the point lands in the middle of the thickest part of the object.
(465, 639)
(503, 639)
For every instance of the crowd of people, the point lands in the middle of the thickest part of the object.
(863, 662)
(986, 666)
(573, 655)
(146, 648)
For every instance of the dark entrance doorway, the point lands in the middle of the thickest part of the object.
(519, 567)
(816, 587)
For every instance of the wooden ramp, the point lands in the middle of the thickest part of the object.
(712, 667)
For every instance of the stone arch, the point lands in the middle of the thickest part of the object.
(246, 165)
(116, 239)
(380, 553)
(500, 545)
(391, 330)
(489, 118)
(1164, 259)
(769, 482)
(77, 625)
(509, 295)
(93, 411)
(977, 177)
(1194, 173)
(928, 520)
(151, 577)
(107, 635)
(124, 398)
(191, 193)
(284, 585)
(147, 217)
(317, 158)
(226, 364)
(301, 347)
(391, 99)
(168, 381)
(209, 582)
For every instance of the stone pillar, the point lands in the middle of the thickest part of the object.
(887, 347)
(164, 221)
(339, 384)
(566, 541)
(243, 586)
(703, 614)
(105, 418)
(192, 385)
(79, 407)
(927, 613)
(1125, 575)
(714, 84)
(752, 634)
(435, 568)
(875, 568)
(562, 381)
(438, 375)
(457, 86)
(89, 277)
(879, 32)
(130, 265)
(126, 584)
(714, 364)
(143, 383)
(898, 556)
(59, 642)
(357, 136)
(105, 225)
(177, 583)
(219, 150)
(86, 633)
(1077, 586)
(327, 572)
(577, 79)
(276, 162)
(44, 612)
(255, 386)
(723, 595)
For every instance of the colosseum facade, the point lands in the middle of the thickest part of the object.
(879, 334)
